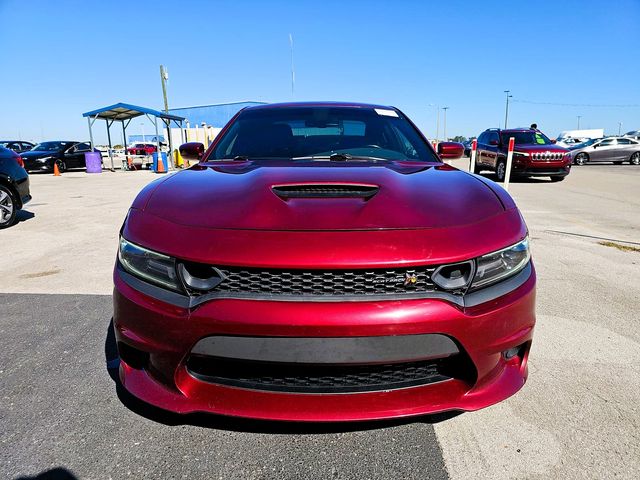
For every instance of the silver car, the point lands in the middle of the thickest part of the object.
(610, 149)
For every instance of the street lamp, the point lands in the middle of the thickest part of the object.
(619, 128)
(579, 117)
(506, 112)
(437, 120)
(445, 122)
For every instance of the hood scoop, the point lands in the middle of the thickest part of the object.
(325, 190)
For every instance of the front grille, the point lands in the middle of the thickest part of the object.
(547, 156)
(302, 378)
(326, 282)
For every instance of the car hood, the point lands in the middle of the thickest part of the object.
(241, 195)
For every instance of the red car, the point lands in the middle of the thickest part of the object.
(534, 155)
(142, 149)
(321, 263)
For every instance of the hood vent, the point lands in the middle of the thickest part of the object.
(326, 190)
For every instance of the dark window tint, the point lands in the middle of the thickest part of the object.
(83, 147)
(493, 137)
(526, 138)
(624, 141)
(483, 137)
(297, 132)
(607, 142)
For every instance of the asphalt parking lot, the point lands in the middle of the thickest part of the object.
(577, 417)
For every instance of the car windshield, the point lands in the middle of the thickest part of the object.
(584, 144)
(322, 133)
(51, 146)
(526, 138)
(4, 144)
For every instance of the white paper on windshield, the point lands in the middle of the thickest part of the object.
(384, 111)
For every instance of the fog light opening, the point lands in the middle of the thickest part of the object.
(511, 352)
(132, 356)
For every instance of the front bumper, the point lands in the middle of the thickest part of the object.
(156, 341)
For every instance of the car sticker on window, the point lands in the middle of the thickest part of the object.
(388, 113)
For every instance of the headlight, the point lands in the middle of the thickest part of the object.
(496, 266)
(43, 159)
(148, 265)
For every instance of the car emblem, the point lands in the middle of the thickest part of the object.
(410, 278)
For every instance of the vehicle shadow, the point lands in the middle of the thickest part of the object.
(235, 424)
(58, 473)
(24, 215)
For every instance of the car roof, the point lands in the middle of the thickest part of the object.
(317, 104)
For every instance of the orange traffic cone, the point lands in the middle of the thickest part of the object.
(129, 163)
(56, 170)
(160, 165)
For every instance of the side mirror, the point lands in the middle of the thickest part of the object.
(450, 150)
(493, 142)
(192, 151)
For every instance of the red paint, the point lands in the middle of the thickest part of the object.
(227, 214)
(512, 143)
(474, 145)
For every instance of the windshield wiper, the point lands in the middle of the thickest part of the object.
(339, 157)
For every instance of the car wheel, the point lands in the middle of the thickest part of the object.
(7, 207)
(635, 159)
(501, 170)
(62, 166)
(557, 178)
(477, 169)
(581, 159)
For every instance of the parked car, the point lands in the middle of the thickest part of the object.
(635, 134)
(67, 154)
(17, 146)
(142, 148)
(535, 155)
(14, 186)
(321, 262)
(610, 149)
(467, 147)
(569, 142)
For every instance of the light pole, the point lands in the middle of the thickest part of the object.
(579, 117)
(506, 112)
(445, 122)
(619, 128)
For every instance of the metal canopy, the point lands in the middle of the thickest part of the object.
(124, 113)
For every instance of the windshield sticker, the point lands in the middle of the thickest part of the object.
(388, 113)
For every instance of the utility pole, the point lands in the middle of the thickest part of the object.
(506, 112)
(164, 76)
(619, 128)
(437, 122)
(445, 122)
(579, 117)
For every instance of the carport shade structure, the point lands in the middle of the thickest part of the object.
(124, 113)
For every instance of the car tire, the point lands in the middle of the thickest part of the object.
(477, 169)
(581, 159)
(8, 208)
(62, 166)
(557, 178)
(635, 159)
(501, 170)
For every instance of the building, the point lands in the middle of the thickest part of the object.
(204, 122)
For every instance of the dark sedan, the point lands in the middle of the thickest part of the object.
(14, 186)
(66, 154)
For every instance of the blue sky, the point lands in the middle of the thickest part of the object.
(66, 57)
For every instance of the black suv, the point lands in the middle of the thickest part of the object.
(534, 155)
(14, 186)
